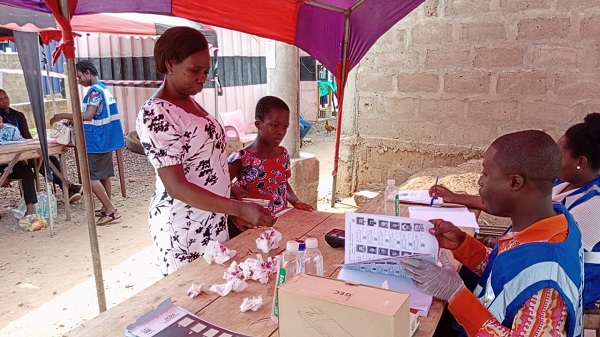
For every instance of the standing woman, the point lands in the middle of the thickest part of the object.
(186, 146)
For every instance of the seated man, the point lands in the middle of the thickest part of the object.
(17, 119)
(304, 128)
(537, 265)
(21, 170)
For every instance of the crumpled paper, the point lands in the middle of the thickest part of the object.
(255, 269)
(253, 303)
(195, 290)
(268, 240)
(233, 283)
(217, 252)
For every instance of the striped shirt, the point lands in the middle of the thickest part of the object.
(543, 314)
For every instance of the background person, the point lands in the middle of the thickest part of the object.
(103, 135)
(578, 189)
(186, 146)
(17, 119)
(537, 265)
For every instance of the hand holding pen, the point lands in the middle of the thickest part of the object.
(433, 195)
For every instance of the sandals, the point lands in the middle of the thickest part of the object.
(99, 213)
(108, 218)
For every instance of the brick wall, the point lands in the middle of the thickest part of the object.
(14, 84)
(455, 74)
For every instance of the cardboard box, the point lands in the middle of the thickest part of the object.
(317, 306)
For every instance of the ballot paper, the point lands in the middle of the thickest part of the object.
(374, 246)
(459, 216)
(169, 320)
(418, 197)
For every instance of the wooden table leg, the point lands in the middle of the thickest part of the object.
(121, 172)
(8, 169)
(65, 182)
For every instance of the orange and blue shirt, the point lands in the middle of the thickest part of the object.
(531, 282)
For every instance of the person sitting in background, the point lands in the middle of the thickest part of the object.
(578, 189)
(304, 128)
(21, 170)
(17, 119)
(103, 135)
(262, 169)
(531, 283)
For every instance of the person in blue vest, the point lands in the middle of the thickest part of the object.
(103, 135)
(531, 283)
(578, 189)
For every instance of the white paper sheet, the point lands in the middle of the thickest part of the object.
(375, 238)
(459, 216)
(418, 197)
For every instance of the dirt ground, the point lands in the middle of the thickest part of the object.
(47, 283)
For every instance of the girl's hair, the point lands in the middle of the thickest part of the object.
(176, 44)
(265, 104)
(86, 66)
(583, 139)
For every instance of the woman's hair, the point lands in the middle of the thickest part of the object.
(86, 66)
(583, 139)
(267, 103)
(176, 44)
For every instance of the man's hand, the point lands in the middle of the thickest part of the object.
(439, 191)
(448, 235)
(441, 282)
(257, 215)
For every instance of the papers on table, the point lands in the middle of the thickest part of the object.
(459, 216)
(418, 197)
(376, 243)
(169, 320)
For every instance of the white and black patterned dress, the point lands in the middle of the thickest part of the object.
(171, 136)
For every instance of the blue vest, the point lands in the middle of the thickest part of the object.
(591, 289)
(512, 277)
(104, 132)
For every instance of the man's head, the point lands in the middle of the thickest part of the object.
(4, 100)
(518, 168)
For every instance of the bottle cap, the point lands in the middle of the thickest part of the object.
(312, 243)
(301, 245)
(391, 182)
(292, 246)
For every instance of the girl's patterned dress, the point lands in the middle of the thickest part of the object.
(264, 178)
(171, 136)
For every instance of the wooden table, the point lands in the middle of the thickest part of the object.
(12, 153)
(224, 311)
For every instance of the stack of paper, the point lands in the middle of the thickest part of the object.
(459, 216)
(376, 243)
(418, 197)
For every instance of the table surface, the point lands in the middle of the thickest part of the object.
(30, 150)
(224, 311)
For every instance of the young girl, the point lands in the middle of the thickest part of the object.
(262, 168)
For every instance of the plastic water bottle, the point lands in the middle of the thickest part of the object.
(289, 266)
(389, 195)
(312, 259)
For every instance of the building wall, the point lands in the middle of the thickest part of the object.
(455, 74)
(14, 84)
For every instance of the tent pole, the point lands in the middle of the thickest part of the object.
(341, 86)
(85, 171)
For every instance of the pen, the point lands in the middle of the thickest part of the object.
(433, 197)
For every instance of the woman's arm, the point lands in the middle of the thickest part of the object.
(181, 189)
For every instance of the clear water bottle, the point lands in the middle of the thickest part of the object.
(312, 259)
(389, 195)
(289, 266)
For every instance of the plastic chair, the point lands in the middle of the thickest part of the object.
(236, 127)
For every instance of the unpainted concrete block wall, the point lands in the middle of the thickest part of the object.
(455, 74)
(14, 84)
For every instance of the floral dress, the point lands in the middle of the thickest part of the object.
(264, 178)
(171, 136)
